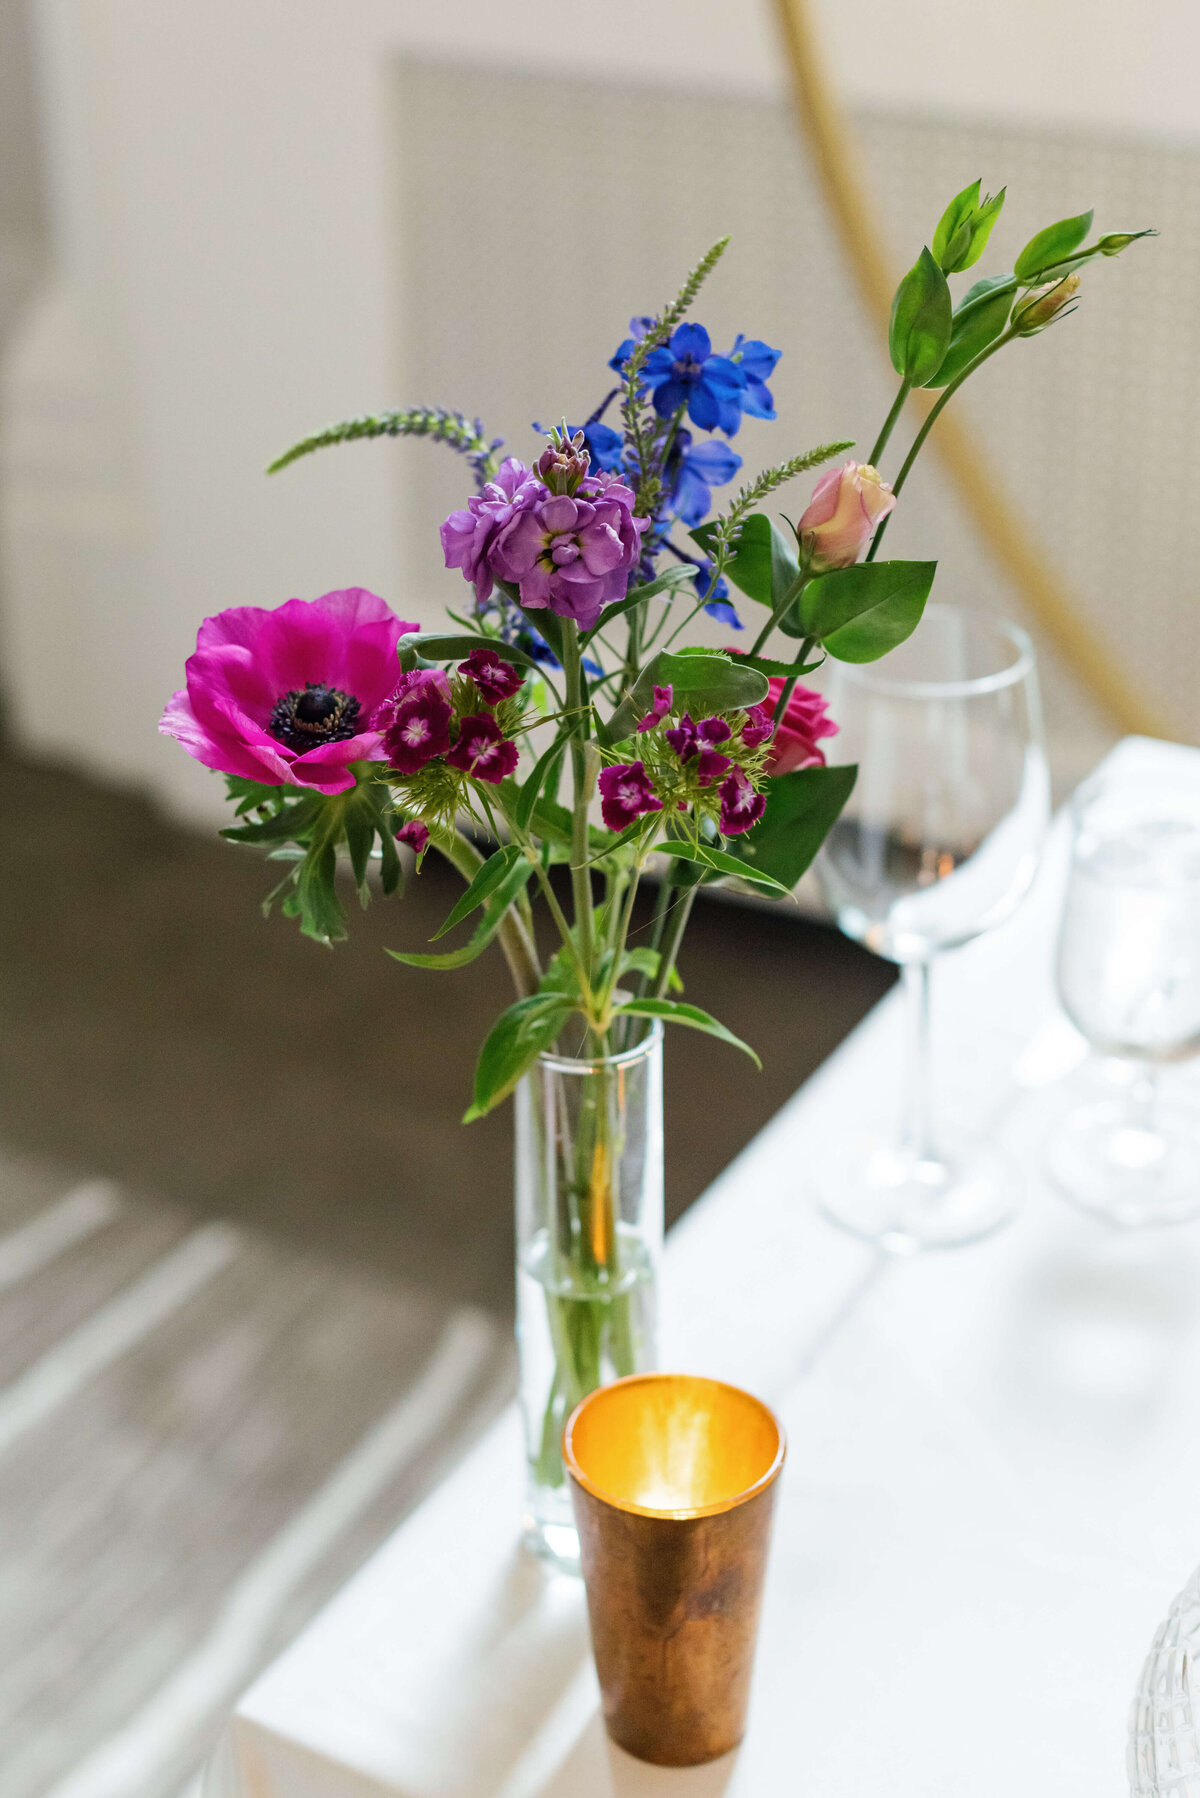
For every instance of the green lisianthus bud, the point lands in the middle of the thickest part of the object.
(1043, 305)
(964, 228)
(1116, 241)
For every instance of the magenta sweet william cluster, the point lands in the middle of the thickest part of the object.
(415, 720)
(572, 551)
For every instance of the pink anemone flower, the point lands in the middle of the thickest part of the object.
(287, 696)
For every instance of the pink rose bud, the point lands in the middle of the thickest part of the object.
(842, 514)
(797, 739)
(1043, 306)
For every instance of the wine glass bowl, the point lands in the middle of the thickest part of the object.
(941, 836)
(939, 842)
(1128, 973)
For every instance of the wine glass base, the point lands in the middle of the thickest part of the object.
(1127, 1175)
(893, 1198)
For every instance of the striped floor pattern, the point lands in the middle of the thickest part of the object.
(202, 1433)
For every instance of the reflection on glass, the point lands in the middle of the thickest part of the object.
(939, 842)
(1129, 979)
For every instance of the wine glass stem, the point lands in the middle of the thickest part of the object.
(1143, 1100)
(917, 1125)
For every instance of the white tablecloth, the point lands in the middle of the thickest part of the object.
(992, 1493)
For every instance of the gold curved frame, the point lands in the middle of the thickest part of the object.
(1003, 531)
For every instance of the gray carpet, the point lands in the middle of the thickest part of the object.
(202, 1433)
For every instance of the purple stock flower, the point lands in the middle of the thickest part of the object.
(759, 726)
(415, 720)
(741, 806)
(482, 750)
(663, 700)
(415, 834)
(625, 794)
(287, 696)
(573, 553)
(467, 536)
(493, 675)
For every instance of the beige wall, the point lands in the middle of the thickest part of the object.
(232, 264)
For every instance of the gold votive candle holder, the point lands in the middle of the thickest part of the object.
(673, 1485)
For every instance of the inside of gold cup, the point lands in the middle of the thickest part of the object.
(672, 1445)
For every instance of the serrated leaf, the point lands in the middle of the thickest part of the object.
(294, 821)
(485, 882)
(779, 670)
(859, 613)
(320, 911)
(802, 808)
(675, 1011)
(919, 330)
(513, 1044)
(1048, 247)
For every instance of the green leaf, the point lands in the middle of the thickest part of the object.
(360, 834)
(484, 884)
(977, 322)
(860, 613)
(675, 1011)
(802, 808)
(780, 670)
(750, 565)
(919, 332)
(703, 681)
(437, 648)
(320, 912)
(720, 863)
(513, 1044)
(295, 820)
(485, 930)
(533, 786)
(1050, 246)
(670, 580)
(964, 228)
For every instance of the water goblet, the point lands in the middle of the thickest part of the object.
(938, 843)
(1129, 979)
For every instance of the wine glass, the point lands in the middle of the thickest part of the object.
(1129, 979)
(939, 842)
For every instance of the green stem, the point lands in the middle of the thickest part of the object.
(516, 943)
(676, 923)
(934, 414)
(889, 424)
(785, 605)
(581, 880)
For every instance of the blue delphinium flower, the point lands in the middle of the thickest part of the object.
(684, 372)
(637, 330)
(718, 606)
(757, 362)
(697, 468)
(605, 446)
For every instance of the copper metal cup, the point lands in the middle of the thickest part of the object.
(673, 1485)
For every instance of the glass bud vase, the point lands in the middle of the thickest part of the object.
(589, 1194)
(1163, 1755)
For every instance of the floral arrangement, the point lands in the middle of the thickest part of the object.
(567, 687)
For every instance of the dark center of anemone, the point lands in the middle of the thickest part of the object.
(320, 714)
